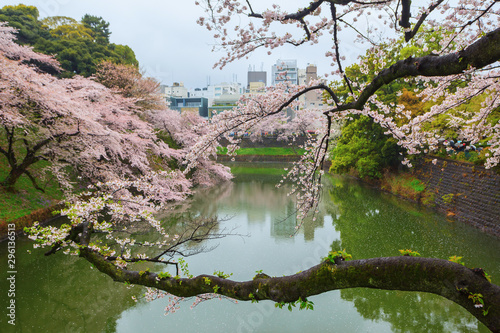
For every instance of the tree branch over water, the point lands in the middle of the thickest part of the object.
(441, 277)
(474, 56)
(123, 209)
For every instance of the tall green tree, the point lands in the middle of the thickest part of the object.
(99, 27)
(63, 27)
(78, 46)
(25, 19)
(364, 147)
(125, 54)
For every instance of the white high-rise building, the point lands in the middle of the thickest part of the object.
(176, 90)
(285, 70)
(214, 92)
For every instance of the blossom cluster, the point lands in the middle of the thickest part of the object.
(464, 22)
(270, 112)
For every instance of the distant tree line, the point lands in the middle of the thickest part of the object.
(78, 45)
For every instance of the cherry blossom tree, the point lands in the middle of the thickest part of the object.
(180, 131)
(130, 83)
(468, 28)
(79, 124)
(467, 54)
(68, 122)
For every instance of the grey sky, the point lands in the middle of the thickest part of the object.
(168, 43)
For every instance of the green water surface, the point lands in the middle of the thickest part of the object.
(64, 294)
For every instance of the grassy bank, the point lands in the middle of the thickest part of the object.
(26, 200)
(400, 183)
(265, 151)
(407, 186)
(252, 170)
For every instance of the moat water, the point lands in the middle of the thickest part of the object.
(64, 294)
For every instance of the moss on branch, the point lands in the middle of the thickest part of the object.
(442, 277)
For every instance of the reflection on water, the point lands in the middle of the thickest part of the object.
(58, 294)
(411, 312)
(376, 224)
(265, 203)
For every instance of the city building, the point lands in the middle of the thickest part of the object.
(222, 103)
(201, 92)
(285, 70)
(176, 90)
(256, 88)
(213, 92)
(256, 77)
(190, 104)
(311, 99)
(233, 88)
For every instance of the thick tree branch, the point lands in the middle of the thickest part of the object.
(405, 14)
(483, 52)
(450, 280)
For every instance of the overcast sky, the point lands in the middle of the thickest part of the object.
(168, 43)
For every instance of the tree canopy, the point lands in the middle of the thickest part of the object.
(65, 121)
(25, 19)
(364, 147)
(79, 125)
(99, 28)
(78, 45)
(468, 54)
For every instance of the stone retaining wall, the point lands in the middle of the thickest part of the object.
(466, 192)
